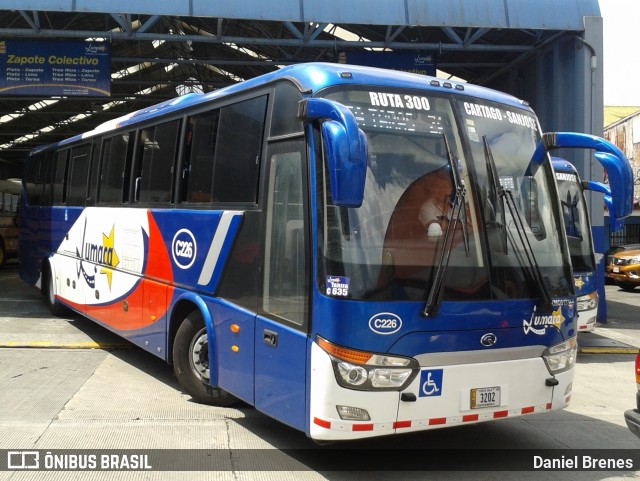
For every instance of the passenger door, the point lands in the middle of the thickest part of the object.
(282, 326)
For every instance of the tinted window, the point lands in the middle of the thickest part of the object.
(237, 159)
(201, 137)
(284, 119)
(45, 177)
(223, 147)
(155, 167)
(114, 179)
(35, 179)
(94, 174)
(77, 191)
(59, 187)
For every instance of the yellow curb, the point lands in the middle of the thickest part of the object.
(608, 350)
(65, 345)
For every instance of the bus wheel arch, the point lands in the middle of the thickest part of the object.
(178, 314)
(189, 349)
(48, 289)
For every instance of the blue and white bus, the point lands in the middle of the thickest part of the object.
(578, 227)
(355, 252)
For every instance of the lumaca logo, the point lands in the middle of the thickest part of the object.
(538, 324)
(104, 255)
(109, 255)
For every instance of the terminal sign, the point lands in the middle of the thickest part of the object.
(414, 62)
(46, 68)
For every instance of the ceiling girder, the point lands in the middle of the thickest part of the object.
(34, 22)
(213, 52)
(285, 42)
(124, 20)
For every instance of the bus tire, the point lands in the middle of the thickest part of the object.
(49, 294)
(191, 363)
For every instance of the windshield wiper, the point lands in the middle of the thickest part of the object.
(528, 251)
(500, 194)
(495, 196)
(456, 213)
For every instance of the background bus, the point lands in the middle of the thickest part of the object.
(355, 252)
(9, 199)
(578, 228)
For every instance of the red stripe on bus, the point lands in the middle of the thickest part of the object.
(362, 427)
(401, 424)
(528, 410)
(548, 406)
(469, 417)
(322, 423)
(500, 414)
(436, 421)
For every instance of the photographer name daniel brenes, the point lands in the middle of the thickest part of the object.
(582, 462)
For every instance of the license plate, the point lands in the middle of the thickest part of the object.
(485, 397)
(616, 269)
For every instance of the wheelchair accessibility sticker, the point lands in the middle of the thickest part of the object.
(431, 383)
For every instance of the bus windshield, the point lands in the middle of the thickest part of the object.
(428, 152)
(576, 221)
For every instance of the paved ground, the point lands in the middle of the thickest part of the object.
(56, 392)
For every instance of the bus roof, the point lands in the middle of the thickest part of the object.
(563, 165)
(310, 78)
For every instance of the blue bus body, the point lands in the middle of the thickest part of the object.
(578, 228)
(571, 189)
(353, 251)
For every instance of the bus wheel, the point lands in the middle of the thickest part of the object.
(191, 363)
(49, 293)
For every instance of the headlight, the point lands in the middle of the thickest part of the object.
(588, 302)
(561, 357)
(366, 371)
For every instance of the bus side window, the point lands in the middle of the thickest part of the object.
(60, 178)
(237, 159)
(114, 178)
(284, 117)
(197, 171)
(154, 167)
(78, 170)
(34, 179)
(46, 176)
(94, 174)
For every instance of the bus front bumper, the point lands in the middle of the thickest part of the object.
(438, 397)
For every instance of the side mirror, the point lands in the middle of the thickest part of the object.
(615, 224)
(597, 187)
(612, 159)
(620, 178)
(345, 149)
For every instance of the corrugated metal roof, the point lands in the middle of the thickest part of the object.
(538, 14)
(162, 48)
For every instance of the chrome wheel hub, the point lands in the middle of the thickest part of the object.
(199, 354)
